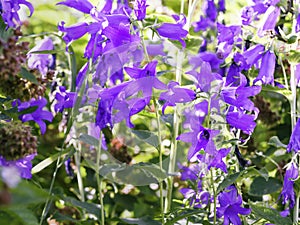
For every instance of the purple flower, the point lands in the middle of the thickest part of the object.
(203, 24)
(294, 143)
(190, 173)
(228, 33)
(267, 68)
(23, 165)
(10, 10)
(174, 31)
(269, 21)
(211, 10)
(222, 7)
(41, 61)
(140, 9)
(230, 206)
(198, 199)
(241, 121)
(205, 78)
(247, 15)
(287, 193)
(39, 115)
(253, 54)
(64, 99)
(297, 28)
(81, 5)
(176, 94)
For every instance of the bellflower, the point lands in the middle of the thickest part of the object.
(228, 34)
(174, 31)
(202, 24)
(294, 143)
(23, 165)
(140, 9)
(10, 10)
(189, 173)
(267, 68)
(81, 5)
(39, 115)
(176, 94)
(41, 61)
(247, 15)
(211, 10)
(287, 193)
(64, 99)
(269, 20)
(221, 5)
(196, 115)
(199, 199)
(230, 206)
(253, 54)
(242, 121)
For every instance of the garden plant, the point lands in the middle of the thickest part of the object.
(149, 112)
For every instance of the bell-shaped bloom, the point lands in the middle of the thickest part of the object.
(64, 99)
(41, 61)
(39, 115)
(287, 193)
(294, 143)
(221, 5)
(81, 5)
(176, 94)
(140, 9)
(9, 12)
(189, 173)
(269, 21)
(247, 15)
(211, 10)
(198, 199)
(174, 31)
(242, 121)
(253, 54)
(230, 206)
(23, 165)
(267, 68)
(228, 34)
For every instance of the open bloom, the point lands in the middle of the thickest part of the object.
(64, 99)
(140, 9)
(267, 68)
(230, 206)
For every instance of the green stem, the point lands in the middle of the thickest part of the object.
(77, 157)
(99, 180)
(215, 194)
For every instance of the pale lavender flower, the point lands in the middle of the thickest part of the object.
(41, 61)
(269, 21)
(267, 68)
(81, 5)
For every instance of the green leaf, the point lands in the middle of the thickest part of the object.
(147, 137)
(24, 215)
(27, 193)
(153, 169)
(63, 218)
(230, 179)
(276, 142)
(294, 57)
(109, 168)
(185, 214)
(264, 173)
(282, 91)
(4, 32)
(141, 221)
(48, 161)
(24, 73)
(90, 208)
(88, 139)
(260, 186)
(47, 51)
(271, 215)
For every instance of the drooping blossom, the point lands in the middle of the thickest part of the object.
(174, 31)
(81, 5)
(253, 54)
(64, 99)
(242, 121)
(269, 21)
(197, 199)
(267, 68)
(294, 143)
(247, 15)
(41, 61)
(287, 193)
(231, 206)
(38, 115)
(23, 165)
(10, 10)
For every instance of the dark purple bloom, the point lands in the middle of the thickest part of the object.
(174, 31)
(10, 10)
(41, 61)
(230, 206)
(297, 28)
(267, 68)
(222, 7)
(269, 20)
(23, 165)
(39, 115)
(287, 193)
(176, 94)
(140, 9)
(211, 10)
(64, 99)
(294, 143)
(242, 121)
(81, 5)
